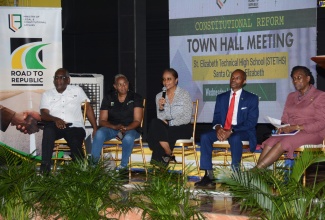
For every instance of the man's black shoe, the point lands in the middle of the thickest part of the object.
(205, 182)
(167, 158)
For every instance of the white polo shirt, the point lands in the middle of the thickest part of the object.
(65, 105)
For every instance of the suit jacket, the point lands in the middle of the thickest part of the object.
(247, 114)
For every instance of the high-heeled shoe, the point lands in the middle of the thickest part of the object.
(167, 158)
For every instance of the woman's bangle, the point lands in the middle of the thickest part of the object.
(161, 110)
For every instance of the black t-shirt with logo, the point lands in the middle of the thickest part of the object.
(121, 113)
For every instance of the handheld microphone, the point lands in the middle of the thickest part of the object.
(164, 92)
(163, 96)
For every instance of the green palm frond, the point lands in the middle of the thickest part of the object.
(166, 196)
(16, 175)
(253, 187)
(79, 191)
(279, 195)
(307, 158)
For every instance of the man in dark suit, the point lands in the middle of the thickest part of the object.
(235, 118)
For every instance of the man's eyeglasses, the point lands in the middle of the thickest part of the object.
(60, 77)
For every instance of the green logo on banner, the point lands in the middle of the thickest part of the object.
(265, 91)
(26, 53)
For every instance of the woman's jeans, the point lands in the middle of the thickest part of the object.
(105, 134)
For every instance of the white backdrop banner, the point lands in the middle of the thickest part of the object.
(210, 39)
(30, 51)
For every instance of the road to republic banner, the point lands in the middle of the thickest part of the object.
(30, 51)
(209, 39)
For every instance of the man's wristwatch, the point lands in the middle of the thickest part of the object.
(232, 130)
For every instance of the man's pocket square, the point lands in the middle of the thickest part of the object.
(242, 108)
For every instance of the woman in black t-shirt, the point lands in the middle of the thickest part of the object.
(120, 116)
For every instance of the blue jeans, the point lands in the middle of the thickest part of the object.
(105, 134)
(236, 148)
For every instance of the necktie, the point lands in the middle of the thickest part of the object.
(230, 112)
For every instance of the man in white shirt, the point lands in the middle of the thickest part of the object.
(61, 111)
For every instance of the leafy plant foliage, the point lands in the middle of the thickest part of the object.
(16, 176)
(279, 195)
(166, 196)
(80, 191)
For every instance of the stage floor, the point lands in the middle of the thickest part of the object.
(214, 203)
(217, 203)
